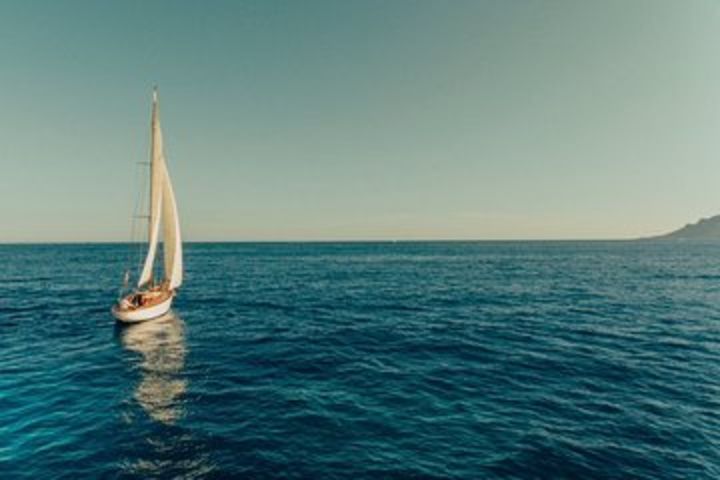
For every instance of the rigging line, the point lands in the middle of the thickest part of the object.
(132, 248)
(142, 207)
(128, 262)
(138, 205)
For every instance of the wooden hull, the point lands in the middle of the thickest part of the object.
(142, 313)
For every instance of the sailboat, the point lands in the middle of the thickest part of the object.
(153, 294)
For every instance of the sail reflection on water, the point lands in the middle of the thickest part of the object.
(161, 343)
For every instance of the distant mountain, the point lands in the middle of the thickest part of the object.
(704, 229)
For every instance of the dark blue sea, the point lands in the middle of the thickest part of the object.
(439, 360)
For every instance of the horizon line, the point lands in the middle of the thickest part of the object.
(327, 241)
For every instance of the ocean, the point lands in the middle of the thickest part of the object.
(438, 360)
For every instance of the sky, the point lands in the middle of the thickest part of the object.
(361, 120)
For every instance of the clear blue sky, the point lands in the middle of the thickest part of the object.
(362, 120)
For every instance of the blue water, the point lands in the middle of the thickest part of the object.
(407, 360)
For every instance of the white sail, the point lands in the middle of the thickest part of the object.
(147, 272)
(163, 206)
(157, 163)
(172, 242)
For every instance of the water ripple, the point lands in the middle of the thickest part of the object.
(419, 360)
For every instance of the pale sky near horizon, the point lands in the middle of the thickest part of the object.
(322, 120)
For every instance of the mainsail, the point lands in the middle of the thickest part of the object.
(162, 209)
(172, 246)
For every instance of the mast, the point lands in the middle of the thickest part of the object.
(156, 155)
(153, 117)
(157, 173)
